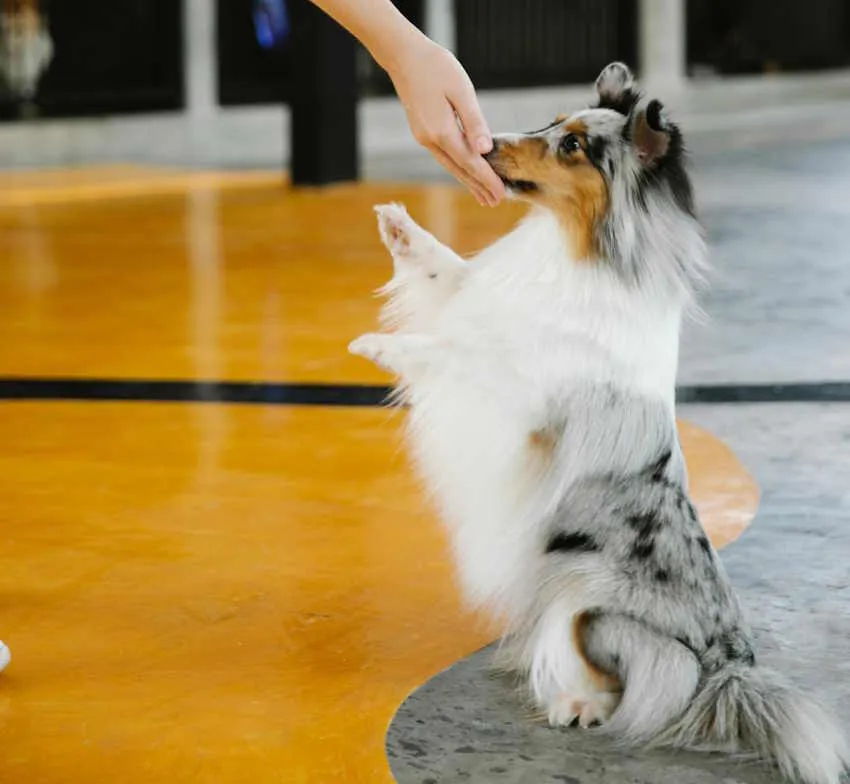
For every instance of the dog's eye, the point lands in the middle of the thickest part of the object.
(570, 143)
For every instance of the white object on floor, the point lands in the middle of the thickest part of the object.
(5, 655)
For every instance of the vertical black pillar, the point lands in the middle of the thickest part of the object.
(323, 136)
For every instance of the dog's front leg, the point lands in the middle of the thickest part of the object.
(404, 355)
(426, 273)
(412, 247)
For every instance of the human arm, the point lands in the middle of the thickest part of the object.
(433, 87)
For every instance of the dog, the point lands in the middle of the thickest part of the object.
(540, 379)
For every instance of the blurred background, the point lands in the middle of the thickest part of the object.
(206, 83)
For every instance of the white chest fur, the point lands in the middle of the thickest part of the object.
(493, 355)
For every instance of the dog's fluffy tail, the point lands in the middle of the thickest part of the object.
(753, 709)
(741, 708)
(659, 675)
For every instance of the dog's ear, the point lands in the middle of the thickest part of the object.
(650, 134)
(616, 88)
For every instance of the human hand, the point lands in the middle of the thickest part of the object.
(444, 115)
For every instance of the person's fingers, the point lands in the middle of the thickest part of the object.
(444, 116)
(475, 128)
(478, 137)
(481, 196)
(474, 166)
(434, 140)
(459, 174)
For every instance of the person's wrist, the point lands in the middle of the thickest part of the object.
(404, 47)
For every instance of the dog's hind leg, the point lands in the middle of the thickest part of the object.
(565, 683)
(659, 674)
(425, 272)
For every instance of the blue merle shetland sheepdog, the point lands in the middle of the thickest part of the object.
(540, 377)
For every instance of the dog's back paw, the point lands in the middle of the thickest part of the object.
(588, 709)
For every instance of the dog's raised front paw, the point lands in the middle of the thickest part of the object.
(396, 227)
(410, 245)
(373, 347)
(367, 346)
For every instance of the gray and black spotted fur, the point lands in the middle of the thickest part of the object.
(660, 612)
(646, 528)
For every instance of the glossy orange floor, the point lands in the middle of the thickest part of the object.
(206, 592)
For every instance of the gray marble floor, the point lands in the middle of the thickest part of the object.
(778, 311)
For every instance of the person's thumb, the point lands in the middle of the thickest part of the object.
(474, 125)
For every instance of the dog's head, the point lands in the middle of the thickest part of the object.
(598, 164)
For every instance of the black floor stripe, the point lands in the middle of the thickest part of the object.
(357, 395)
(192, 392)
(803, 392)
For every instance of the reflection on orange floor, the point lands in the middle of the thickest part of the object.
(61, 186)
(204, 279)
(222, 593)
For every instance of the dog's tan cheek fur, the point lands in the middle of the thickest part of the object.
(579, 197)
(524, 160)
(574, 190)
